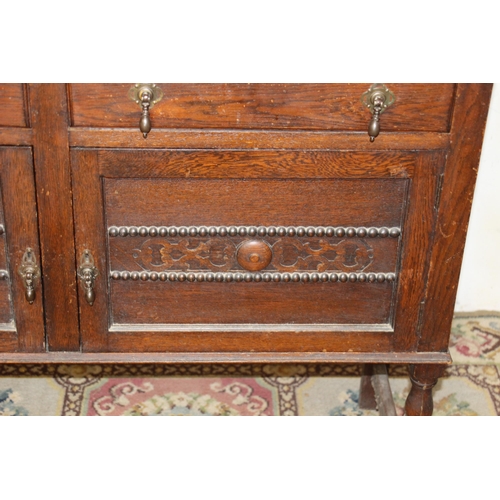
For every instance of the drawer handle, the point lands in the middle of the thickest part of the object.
(30, 273)
(377, 99)
(87, 272)
(146, 95)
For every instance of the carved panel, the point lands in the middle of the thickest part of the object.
(228, 253)
(187, 254)
(322, 255)
(219, 254)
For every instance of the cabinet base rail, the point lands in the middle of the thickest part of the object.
(443, 358)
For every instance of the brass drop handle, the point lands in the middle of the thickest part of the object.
(87, 272)
(377, 99)
(30, 273)
(146, 95)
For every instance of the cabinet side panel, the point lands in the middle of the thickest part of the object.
(459, 179)
(418, 229)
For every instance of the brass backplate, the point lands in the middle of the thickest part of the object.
(378, 90)
(135, 93)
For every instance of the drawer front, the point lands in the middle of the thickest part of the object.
(12, 105)
(418, 107)
(250, 250)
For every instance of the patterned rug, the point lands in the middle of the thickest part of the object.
(471, 386)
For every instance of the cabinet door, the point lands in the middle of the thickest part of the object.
(21, 310)
(239, 251)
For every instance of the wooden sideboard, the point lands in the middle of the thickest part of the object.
(244, 223)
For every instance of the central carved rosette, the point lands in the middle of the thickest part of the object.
(254, 255)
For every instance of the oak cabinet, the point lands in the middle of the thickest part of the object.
(244, 223)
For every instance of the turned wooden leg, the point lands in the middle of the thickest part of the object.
(423, 379)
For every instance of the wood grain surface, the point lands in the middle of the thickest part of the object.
(12, 105)
(418, 230)
(55, 215)
(237, 155)
(285, 254)
(256, 164)
(12, 136)
(21, 232)
(254, 202)
(254, 303)
(453, 212)
(224, 357)
(74, 168)
(254, 139)
(418, 107)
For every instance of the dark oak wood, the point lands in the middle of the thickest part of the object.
(254, 139)
(418, 230)
(186, 202)
(243, 164)
(254, 303)
(254, 255)
(423, 379)
(55, 218)
(285, 254)
(224, 357)
(10, 136)
(89, 231)
(453, 214)
(137, 189)
(19, 210)
(12, 105)
(217, 339)
(6, 317)
(420, 107)
(358, 245)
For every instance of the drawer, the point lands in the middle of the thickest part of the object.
(250, 250)
(12, 104)
(336, 107)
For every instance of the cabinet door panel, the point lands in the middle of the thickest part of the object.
(324, 254)
(21, 323)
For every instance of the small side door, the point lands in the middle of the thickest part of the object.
(21, 304)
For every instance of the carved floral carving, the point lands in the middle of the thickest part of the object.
(220, 254)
